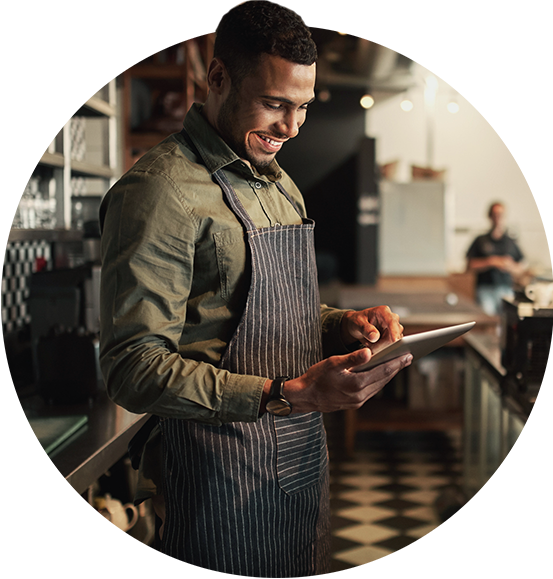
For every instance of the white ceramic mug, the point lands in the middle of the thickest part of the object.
(541, 293)
(117, 513)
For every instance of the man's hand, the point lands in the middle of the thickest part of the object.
(375, 328)
(332, 384)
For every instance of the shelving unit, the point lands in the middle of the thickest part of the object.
(158, 92)
(82, 55)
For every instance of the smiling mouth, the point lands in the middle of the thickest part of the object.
(270, 144)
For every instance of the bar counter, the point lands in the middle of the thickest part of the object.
(39, 497)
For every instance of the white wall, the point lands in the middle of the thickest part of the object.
(480, 169)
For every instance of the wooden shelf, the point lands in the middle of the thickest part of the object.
(53, 160)
(44, 234)
(163, 75)
(96, 106)
(84, 169)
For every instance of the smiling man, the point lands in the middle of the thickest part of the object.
(259, 115)
(211, 318)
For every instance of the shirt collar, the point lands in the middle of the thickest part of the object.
(215, 153)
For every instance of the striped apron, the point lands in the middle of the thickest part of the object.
(252, 499)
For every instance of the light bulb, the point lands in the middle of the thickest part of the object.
(453, 107)
(367, 101)
(406, 105)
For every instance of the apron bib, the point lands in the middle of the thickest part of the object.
(252, 499)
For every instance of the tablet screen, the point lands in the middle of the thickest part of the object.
(419, 345)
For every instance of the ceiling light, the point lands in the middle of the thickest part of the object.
(453, 107)
(343, 27)
(535, 71)
(406, 105)
(367, 101)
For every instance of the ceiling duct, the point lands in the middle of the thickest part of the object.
(384, 50)
(535, 71)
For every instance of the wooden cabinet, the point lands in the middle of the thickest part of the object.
(58, 115)
(158, 92)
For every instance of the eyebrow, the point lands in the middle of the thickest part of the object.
(285, 100)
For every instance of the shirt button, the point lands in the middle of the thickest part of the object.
(257, 185)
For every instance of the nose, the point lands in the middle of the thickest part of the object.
(290, 124)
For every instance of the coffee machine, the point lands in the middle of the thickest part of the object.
(526, 331)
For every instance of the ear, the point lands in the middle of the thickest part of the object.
(218, 79)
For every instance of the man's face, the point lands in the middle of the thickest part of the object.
(497, 215)
(267, 109)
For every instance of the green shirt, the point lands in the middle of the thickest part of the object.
(175, 276)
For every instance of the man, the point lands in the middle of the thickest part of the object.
(211, 318)
(496, 259)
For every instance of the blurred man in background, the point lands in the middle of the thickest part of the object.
(497, 261)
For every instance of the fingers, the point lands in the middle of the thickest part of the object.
(387, 320)
(357, 358)
(375, 380)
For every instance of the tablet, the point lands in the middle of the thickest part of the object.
(419, 345)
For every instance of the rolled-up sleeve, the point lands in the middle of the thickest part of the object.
(148, 241)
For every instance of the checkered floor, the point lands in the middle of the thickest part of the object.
(397, 487)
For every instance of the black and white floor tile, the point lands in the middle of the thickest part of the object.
(394, 489)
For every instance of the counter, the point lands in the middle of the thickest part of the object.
(39, 498)
(418, 310)
(508, 451)
(488, 348)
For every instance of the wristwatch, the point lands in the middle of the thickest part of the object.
(276, 403)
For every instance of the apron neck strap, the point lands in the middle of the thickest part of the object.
(230, 194)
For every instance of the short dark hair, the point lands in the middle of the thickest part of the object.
(260, 27)
(494, 204)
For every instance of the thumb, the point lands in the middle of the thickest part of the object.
(356, 358)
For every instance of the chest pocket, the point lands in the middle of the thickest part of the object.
(233, 264)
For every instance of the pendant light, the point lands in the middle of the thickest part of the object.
(535, 71)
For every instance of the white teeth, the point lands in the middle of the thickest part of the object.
(270, 141)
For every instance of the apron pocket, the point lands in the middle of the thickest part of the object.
(301, 451)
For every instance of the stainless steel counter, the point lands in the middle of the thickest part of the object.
(488, 346)
(38, 498)
(538, 403)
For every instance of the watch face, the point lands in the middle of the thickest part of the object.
(279, 407)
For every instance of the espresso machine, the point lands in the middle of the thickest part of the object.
(526, 331)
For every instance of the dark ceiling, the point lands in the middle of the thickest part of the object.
(386, 34)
